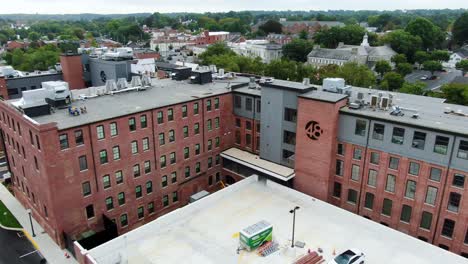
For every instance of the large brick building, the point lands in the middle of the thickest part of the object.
(137, 155)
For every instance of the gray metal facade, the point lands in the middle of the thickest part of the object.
(18, 84)
(102, 70)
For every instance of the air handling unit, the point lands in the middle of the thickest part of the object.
(255, 235)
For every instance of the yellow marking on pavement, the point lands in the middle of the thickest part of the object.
(30, 239)
(235, 235)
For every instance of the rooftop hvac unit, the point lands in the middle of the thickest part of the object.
(213, 68)
(136, 81)
(306, 82)
(145, 80)
(221, 73)
(333, 84)
(384, 103)
(360, 96)
(252, 84)
(374, 101)
(354, 106)
(121, 84)
(111, 85)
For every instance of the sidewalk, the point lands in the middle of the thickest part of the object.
(42, 241)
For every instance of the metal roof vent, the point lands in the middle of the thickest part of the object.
(121, 83)
(306, 82)
(136, 81)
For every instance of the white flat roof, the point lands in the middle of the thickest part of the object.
(255, 162)
(207, 231)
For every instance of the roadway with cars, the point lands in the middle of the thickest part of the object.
(442, 78)
(15, 248)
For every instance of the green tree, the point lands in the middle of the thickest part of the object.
(392, 81)
(272, 26)
(430, 34)
(297, 50)
(382, 67)
(350, 34)
(219, 48)
(303, 35)
(399, 58)
(460, 29)
(413, 88)
(403, 43)
(456, 93)
(463, 66)
(34, 36)
(357, 75)
(404, 68)
(421, 57)
(432, 66)
(440, 55)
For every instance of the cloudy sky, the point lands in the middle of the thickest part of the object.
(138, 6)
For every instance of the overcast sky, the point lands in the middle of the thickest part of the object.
(142, 6)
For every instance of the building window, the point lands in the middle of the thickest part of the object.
(150, 207)
(38, 142)
(136, 170)
(138, 192)
(209, 125)
(375, 158)
(143, 121)
(134, 147)
(217, 159)
(431, 195)
(361, 126)
(441, 145)
(173, 177)
(387, 207)
(340, 149)
(195, 108)
(355, 172)
(357, 154)
(172, 157)
(337, 190)
(164, 181)
(186, 152)
(210, 144)
(162, 161)
(165, 200)
(393, 163)
(208, 105)
(187, 172)
(118, 177)
(121, 198)
(86, 187)
(210, 180)
(171, 135)
(217, 142)
(378, 132)
(426, 220)
(237, 101)
(106, 182)
(419, 140)
(216, 103)
(161, 139)
(238, 122)
(160, 117)
(436, 174)
(290, 115)
(369, 201)
(147, 166)
(109, 203)
(218, 177)
(248, 140)
(149, 187)
(339, 167)
(259, 106)
(352, 196)
(140, 212)
(406, 213)
(398, 135)
(63, 138)
(197, 149)
(372, 178)
(390, 185)
(145, 144)
(410, 189)
(185, 131)
(103, 157)
(197, 167)
(131, 124)
(83, 163)
(123, 220)
(454, 202)
(89, 211)
(100, 132)
(113, 129)
(170, 114)
(248, 104)
(458, 180)
(216, 120)
(184, 111)
(413, 168)
(175, 197)
(79, 140)
(196, 128)
(463, 150)
(258, 127)
(289, 137)
(210, 162)
(448, 227)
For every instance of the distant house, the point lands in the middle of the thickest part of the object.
(295, 27)
(281, 39)
(363, 54)
(12, 45)
(258, 48)
(456, 57)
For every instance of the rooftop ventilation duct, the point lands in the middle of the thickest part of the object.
(252, 83)
(306, 82)
(136, 81)
(111, 85)
(121, 84)
(145, 80)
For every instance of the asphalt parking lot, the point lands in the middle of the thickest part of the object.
(442, 78)
(15, 248)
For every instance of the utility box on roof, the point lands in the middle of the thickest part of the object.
(255, 235)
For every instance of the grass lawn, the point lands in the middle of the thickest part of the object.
(6, 218)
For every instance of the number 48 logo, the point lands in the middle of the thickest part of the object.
(313, 130)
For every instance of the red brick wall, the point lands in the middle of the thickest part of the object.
(3, 88)
(254, 146)
(72, 71)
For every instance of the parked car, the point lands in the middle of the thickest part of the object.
(424, 77)
(349, 256)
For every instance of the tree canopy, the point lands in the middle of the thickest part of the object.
(272, 26)
(460, 29)
(297, 50)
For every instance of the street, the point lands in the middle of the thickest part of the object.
(442, 78)
(15, 248)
